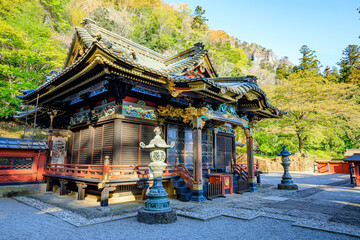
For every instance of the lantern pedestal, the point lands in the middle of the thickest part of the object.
(157, 200)
(157, 217)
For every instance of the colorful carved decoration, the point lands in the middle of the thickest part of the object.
(225, 129)
(146, 91)
(229, 111)
(95, 114)
(141, 102)
(131, 111)
(103, 112)
(97, 92)
(245, 121)
(75, 100)
(179, 100)
(175, 93)
(186, 114)
(93, 90)
(80, 118)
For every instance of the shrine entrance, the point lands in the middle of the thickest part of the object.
(224, 152)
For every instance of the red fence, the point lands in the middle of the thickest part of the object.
(18, 165)
(328, 166)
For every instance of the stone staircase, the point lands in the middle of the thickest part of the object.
(183, 192)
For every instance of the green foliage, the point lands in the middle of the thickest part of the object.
(199, 18)
(308, 60)
(28, 51)
(283, 72)
(350, 64)
(332, 74)
(58, 10)
(322, 115)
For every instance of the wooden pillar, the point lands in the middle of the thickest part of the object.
(357, 174)
(198, 194)
(351, 172)
(215, 146)
(81, 190)
(105, 196)
(51, 122)
(63, 186)
(250, 158)
(49, 185)
(51, 114)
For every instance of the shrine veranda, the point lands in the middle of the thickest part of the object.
(110, 96)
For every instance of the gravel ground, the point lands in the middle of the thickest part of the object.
(34, 224)
(325, 207)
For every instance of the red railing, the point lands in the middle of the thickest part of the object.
(131, 171)
(183, 172)
(98, 171)
(241, 169)
(75, 170)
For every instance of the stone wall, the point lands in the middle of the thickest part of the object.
(298, 163)
(11, 190)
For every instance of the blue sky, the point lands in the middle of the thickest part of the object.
(283, 26)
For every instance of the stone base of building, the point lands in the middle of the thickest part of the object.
(157, 217)
(198, 196)
(287, 187)
(252, 187)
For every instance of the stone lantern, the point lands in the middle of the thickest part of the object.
(157, 207)
(286, 182)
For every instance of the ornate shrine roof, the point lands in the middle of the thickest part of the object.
(93, 45)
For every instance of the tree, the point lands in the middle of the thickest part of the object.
(331, 74)
(350, 63)
(28, 51)
(308, 60)
(321, 113)
(282, 72)
(199, 18)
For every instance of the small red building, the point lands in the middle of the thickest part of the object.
(332, 166)
(22, 160)
(355, 161)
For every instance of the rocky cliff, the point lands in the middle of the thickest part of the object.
(264, 63)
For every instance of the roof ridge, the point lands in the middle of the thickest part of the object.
(126, 41)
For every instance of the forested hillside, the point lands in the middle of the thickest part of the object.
(323, 107)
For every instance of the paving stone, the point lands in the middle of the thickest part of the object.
(309, 214)
(276, 198)
(349, 214)
(306, 192)
(288, 204)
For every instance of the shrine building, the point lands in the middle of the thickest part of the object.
(110, 96)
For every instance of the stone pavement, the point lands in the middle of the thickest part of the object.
(325, 207)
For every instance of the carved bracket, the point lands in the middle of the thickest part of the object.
(187, 114)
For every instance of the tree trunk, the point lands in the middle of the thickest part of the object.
(301, 142)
